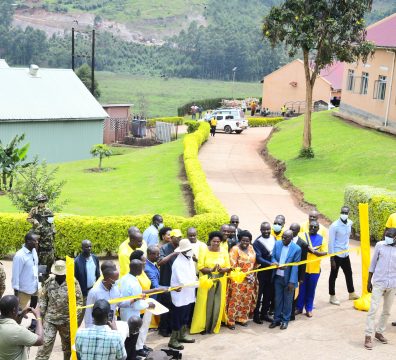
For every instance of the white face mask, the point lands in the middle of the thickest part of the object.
(344, 217)
(50, 219)
(388, 240)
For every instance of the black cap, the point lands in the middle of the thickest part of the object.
(101, 308)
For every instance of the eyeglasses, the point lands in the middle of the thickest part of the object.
(234, 222)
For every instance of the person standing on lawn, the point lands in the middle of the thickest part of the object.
(381, 283)
(339, 233)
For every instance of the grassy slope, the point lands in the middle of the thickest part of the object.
(344, 155)
(165, 96)
(145, 181)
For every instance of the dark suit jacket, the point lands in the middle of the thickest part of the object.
(80, 271)
(294, 255)
(304, 251)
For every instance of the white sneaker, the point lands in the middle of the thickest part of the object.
(334, 300)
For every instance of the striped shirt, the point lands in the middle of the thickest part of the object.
(99, 342)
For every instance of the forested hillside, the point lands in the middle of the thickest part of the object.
(216, 36)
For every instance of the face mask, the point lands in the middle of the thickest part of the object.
(50, 219)
(277, 228)
(388, 240)
(160, 226)
(344, 217)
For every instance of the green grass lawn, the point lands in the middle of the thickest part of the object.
(145, 181)
(165, 96)
(344, 155)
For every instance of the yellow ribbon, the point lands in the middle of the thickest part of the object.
(236, 275)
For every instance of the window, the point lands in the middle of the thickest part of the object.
(351, 80)
(380, 88)
(364, 83)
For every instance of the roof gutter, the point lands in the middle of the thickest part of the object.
(390, 89)
(55, 119)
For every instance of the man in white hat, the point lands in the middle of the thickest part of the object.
(54, 306)
(183, 273)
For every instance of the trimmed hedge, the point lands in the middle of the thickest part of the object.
(264, 121)
(108, 232)
(192, 126)
(382, 203)
(177, 120)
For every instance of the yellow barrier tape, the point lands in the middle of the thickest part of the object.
(233, 276)
(71, 292)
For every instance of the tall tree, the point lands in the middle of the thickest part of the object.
(324, 31)
(84, 73)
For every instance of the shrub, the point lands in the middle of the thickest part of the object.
(192, 126)
(382, 203)
(33, 180)
(108, 232)
(264, 121)
(172, 119)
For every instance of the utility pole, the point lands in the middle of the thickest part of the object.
(93, 63)
(73, 48)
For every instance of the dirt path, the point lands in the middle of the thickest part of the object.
(244, 182)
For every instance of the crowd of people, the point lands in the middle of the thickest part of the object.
(159, 271)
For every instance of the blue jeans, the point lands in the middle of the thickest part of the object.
(283, 300)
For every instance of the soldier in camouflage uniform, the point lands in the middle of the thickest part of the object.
(54, 306)
(2, 280)
(42, 220)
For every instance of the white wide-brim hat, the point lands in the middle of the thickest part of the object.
(184, 245)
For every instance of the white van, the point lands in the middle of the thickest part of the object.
(230, 119)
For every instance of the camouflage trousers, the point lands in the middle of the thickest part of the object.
(50, 330)
(46, 257)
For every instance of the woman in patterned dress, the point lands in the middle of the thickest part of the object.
(241, 297)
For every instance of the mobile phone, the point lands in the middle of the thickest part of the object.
(111, 315)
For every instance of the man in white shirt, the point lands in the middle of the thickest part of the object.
(183, 273)
(25, 270)
(196, 245)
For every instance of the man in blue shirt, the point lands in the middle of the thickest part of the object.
(25, 270)
(150, 235)
(339, 233)
(285, 279)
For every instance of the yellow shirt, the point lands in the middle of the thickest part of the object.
(391, 222)
(124, 252)
(305, 229)
(277, 237)
(224, 246)
(210, 258)
(314, 267)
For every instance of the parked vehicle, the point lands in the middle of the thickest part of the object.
(230, 119)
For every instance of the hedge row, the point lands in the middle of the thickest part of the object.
(177, 120)
(107, 232)
(382, 203)
(264, 121)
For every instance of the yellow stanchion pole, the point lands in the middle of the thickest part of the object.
(71, 291)
(363, 303)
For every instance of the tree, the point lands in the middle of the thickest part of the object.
(84, 73)
(36, 179)
(11, 158)
(324, 31)
(101, 151)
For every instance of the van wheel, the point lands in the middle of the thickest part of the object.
(227, 129)
(238, 131)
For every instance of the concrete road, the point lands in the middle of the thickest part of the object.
(245, 185)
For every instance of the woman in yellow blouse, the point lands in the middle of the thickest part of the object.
(210, 304)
